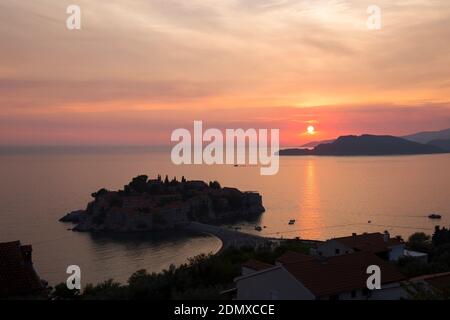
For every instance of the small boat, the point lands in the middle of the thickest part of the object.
(258, 228)
(434, 216)
(292, 221)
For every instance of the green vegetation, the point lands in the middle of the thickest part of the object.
(420, 291)
(214, 185)
(419, 241)
(438, 249)
(139, 184)
(99, 193)
(116, 201)
(202, 277)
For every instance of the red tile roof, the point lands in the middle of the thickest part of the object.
(340, 273)
(293, 257)
(256, 265)
(17, 275)
(372, 242)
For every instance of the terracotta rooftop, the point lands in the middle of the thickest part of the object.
(17, 275)
(293, 257)
(256, 265)
(325, 277)
(373, 242)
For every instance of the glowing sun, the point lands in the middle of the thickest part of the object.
(310, 130)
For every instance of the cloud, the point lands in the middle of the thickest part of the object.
(158, 58)
(154, 127)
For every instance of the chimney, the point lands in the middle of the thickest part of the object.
(386, 236)
(354, 234)
(26, 254)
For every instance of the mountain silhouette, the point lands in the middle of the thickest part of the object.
(427, 136)
(441, 143)
(367, 145)
(314, 144)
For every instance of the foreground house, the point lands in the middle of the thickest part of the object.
(18, 279)
(303, 277)
(381, 244)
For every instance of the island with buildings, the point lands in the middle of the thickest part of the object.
(162, 204)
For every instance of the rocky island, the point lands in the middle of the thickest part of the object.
(162, 204)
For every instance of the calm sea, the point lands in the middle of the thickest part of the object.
(328, 197)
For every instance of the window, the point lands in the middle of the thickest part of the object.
(334, 297)
(338, 251)
(353, 294)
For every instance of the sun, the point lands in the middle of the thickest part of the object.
(310, 130)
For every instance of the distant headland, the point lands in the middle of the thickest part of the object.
(370, 145)
(161, 204)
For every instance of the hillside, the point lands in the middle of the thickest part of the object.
(427, 136)
(367, 145)
(441, 143)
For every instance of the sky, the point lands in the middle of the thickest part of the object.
(138, 69)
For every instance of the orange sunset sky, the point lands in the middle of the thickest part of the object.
(138, 69)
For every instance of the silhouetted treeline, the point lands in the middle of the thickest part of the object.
(436, 246)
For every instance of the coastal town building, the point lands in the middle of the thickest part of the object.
(18, 279)
(381, 244)
(296, 276)
(161, 205)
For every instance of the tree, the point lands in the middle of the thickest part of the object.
(107, 290)
(419, 241)
(139, 183)
(174, 181)
(99, 193)
(214, 185)
(440, 236)
(61, 292)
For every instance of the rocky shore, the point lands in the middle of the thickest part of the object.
(162, 204)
